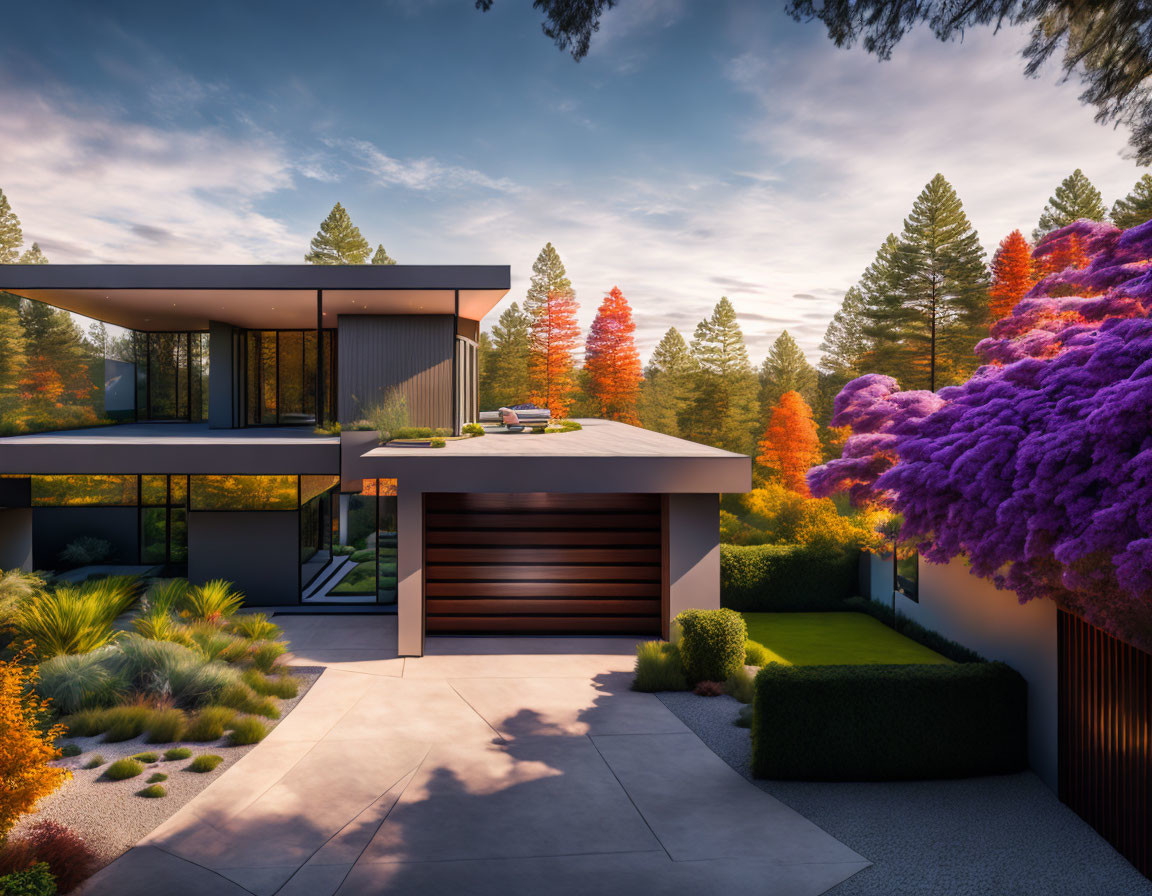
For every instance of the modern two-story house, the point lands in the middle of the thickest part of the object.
(204, 454)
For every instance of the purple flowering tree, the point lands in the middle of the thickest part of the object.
(1039, 468)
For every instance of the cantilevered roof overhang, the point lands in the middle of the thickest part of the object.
(188, 296)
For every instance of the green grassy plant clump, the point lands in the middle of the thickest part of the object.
(86, 723)
(147, 758)
(76, 618)
(283, 685)
(658, 668)
(414, 432)
(242, 698)
(123, 769)
(126, 722)
(740, 686)
(94, 762)
(257, 626)
(177, 753)
(205, 762)
(711, 644)
(34, 881)
(208, 724)
(264, 656)
(786, 577)
(213, 601)
(437, 442)
(172, 671)
(152, 792)
(246, 730)
(756, 654)
(166, 726)
(69, 750)
(472, 429)
(888, 722)
(79, 681)
(157, 777)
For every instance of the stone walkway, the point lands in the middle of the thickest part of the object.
(488, 766)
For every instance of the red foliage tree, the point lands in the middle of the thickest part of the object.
(612, 361)
(553, 338)
(1013, 274)
(791, 443)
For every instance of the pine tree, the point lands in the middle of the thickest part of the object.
(33, 256)
(338, 241)
(551, 365)
(785, 370)
(724, 408)
(1013, 274)
(382, 257)
(1135, 208)
(791, 444)
(505, 381)
(942, 287)
(11, 236)
(548, 276)
(1074, 199)
(667, 386)
(611, 361)
(13, 356)
(484, 377)
(842, 352)
(883, 316)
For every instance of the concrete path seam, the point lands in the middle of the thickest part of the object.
(624, 789)
(491, 727)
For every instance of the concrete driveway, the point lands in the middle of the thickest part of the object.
(489, 766)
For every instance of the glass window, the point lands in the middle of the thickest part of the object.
(154, 491)
(84, 491)
(281, 370)
(311, 486)
(906, 563)
(243, 493)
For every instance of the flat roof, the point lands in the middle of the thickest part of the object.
(188, 296)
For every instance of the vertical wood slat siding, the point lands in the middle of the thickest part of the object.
(413, 352)
(1105, 736)
(543, 563)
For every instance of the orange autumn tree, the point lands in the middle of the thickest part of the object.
(612, 361)
(26, 776)
(1013, 274)
(791, 443)
(552, 339)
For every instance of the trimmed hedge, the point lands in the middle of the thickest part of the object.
(711, 644)
(786, 577)
(886, 723)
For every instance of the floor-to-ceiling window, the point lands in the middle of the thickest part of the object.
(281, 371)
(368, 575)
(171, 376)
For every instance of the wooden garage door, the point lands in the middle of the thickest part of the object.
(542, 563)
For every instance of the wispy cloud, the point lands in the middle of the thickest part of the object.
(424, 174)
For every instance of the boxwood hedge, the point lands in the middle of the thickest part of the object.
(785, 577)
(711, 644)
(882, 723)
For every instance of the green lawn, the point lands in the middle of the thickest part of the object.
(815, 639)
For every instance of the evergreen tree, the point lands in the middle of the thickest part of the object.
(785, 370)
(33, 256)
(724, 410)
(382, 257)
(13, 356)
(667, 386)
(484, 359)
(611, 361)
(504, 380)
(1013, 274)
(11, 236)
(548, 276)
(1135, 208)
(338, 241)
(98, 338)
(551, 363)
(1074, 199)
(845, 345)
(882, 314)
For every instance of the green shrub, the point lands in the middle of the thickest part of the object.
(756, 654)
(95, 762)
(341, 549)
(257, 626)
(85, 551)
(414, 432)
(213, 601)
(775, 577)
(177, 753)
(123, 769)
(283, 686)
(958, 653)
(79, 681)
(125, 722)
(86, 723)
(881, 723)
(364, 556)
(208, 724)
(436, 442)
(70, 619)
(711, 643)
(205, 762)
(157, 777)
(165, 726)
(166, 669)
(264, 657)
(740, 686)
(246, 730)
(34, 881)
(212, 643)
(390, 415)
(242, 698)
(658, 668)
(69, 750)
(147, 758)
(744, 716)
(152, 792)
(472, 429)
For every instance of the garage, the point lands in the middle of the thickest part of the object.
(543, 563)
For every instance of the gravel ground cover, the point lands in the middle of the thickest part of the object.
(108, 814)
(999, 836)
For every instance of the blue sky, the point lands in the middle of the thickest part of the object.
(701, 149)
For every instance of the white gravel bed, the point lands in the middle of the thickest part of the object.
(1007, 835)
(108, 814)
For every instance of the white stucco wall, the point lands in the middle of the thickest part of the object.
(974, 613)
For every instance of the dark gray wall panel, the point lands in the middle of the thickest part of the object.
(256, 551)
(16, 538)
(53, 528)
(413, 352)
(221, 391)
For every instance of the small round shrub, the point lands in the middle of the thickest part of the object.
(283, 686)
(208, 724)
(711, 643)
(744, 716)
(86, 723)
(157, 777)
(472, 429)
(147, 758)
(126, 722)
(246, 730)
(123, 769)
(242, 698)
(152, 791)
(436, 442)
(76, 681)
(257, 626)
(264, 657)
(70, 750)
(166, 726)
(756, 654)
(205, 762)
(177, 753)
(94, 762)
